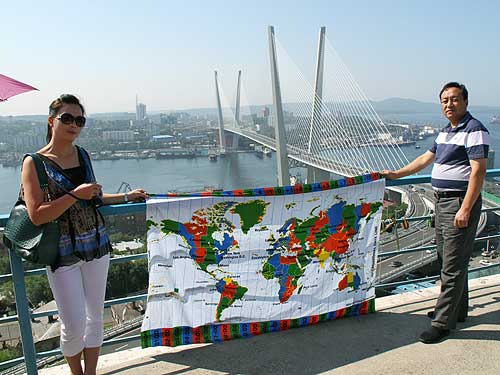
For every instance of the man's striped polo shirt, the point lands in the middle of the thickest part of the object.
(454, 147)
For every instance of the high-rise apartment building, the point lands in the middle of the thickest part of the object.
(140, 112)
(118, 135)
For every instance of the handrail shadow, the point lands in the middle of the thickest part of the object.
(308, 350)
(313, 349)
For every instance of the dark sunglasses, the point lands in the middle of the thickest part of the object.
(68, 119)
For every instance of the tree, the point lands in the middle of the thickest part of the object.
(38, 290)
(126, 278)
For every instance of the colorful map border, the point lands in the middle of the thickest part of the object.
(214, 333)
(280, 190)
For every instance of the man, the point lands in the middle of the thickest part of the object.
(459, 154)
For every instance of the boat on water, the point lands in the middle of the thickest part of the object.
(212, 155)
(176, 154)
(296, 179)
(266, 151)
(495, 120)
(417, 146)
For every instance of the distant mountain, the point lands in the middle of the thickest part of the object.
(113, 115)
(401, 105)
(386, 106)
(191, 111)
(34, 118)
(391, 106)
(407, 106)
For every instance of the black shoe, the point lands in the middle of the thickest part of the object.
(433, 335)
(431, 315)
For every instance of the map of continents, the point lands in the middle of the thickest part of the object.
(209, 237)
(321, 236)
(205, 250)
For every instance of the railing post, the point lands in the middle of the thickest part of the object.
(23, 313)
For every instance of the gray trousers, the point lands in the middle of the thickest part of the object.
(454, 248)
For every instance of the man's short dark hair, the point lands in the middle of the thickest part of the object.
(457, 85)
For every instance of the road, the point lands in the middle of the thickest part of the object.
(386, 269)
(418, 234)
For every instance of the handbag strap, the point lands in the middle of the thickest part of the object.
(40, 170)
(43, 178)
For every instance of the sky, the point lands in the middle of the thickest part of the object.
(106, 52)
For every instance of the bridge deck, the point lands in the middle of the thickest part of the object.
(300, 155)
(381, 343)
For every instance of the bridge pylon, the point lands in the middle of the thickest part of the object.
(222, 148)
(315, 174)
(318, 88)
(235, 139)
(279, 123)
(237, 106)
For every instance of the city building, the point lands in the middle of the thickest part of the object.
(491, 159)
(118, 135)
(164, 138)
(33, 140)
(265, 112)
(140, 110)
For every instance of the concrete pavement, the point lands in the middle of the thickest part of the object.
(381, 343)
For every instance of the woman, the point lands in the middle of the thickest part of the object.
(78, 278)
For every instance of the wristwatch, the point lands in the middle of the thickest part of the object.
(125, 198)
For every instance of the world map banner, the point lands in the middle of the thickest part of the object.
(230, 264)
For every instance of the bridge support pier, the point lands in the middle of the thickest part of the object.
(231, 142)
(317, 175)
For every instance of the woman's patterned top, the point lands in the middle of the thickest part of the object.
(79, 239)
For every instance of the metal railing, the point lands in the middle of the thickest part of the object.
(24, 315)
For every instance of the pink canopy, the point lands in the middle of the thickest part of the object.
(10, 87)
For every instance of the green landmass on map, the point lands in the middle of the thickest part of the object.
(230, 292)
(251, 213)
(321, 236)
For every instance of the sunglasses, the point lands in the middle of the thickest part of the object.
(68, 119)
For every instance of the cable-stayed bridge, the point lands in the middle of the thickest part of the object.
(297, 154)
(333, 128)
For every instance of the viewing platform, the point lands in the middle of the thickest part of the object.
(385, 342)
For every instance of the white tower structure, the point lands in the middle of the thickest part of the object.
(222, 148)
(281, 150)
(140, 110)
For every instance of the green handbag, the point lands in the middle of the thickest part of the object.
(36, 243)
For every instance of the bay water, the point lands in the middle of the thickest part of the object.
(234, 171)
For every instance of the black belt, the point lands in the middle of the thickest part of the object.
(449, 194)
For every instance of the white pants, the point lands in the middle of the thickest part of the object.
(79, 292)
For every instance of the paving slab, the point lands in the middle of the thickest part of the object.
(385, 342)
